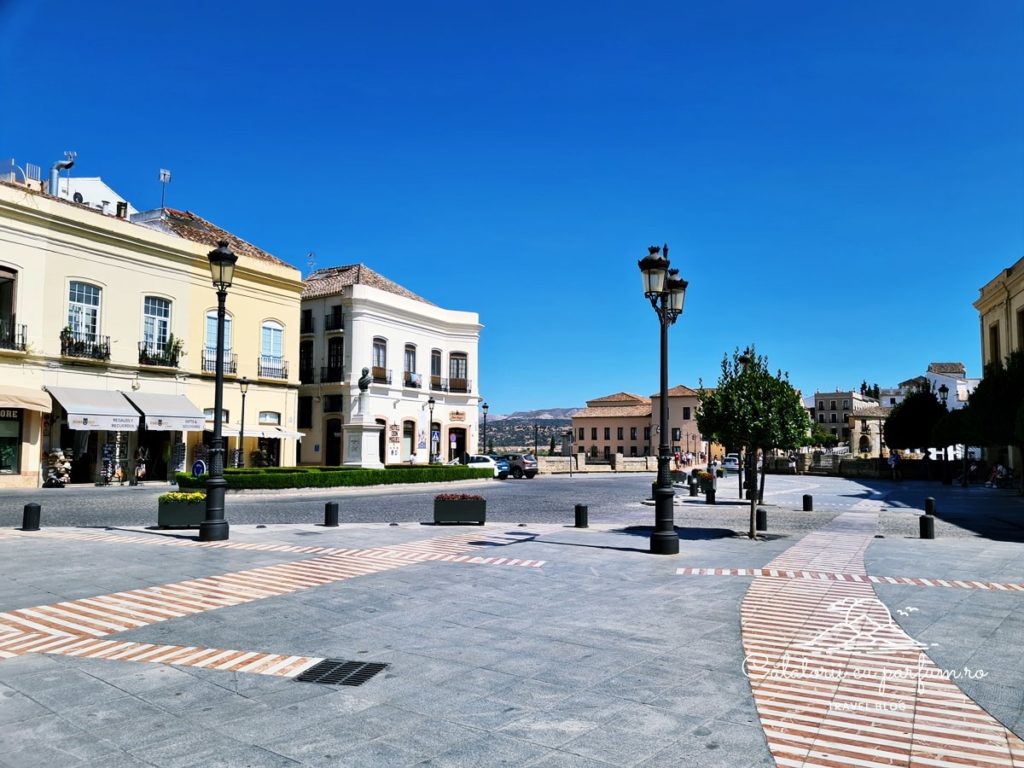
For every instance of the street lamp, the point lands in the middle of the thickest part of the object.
(433, 445)
(243, 387)
(485, 407)
(215, 527)
(747, 477)
(666, 291)
(946, 478)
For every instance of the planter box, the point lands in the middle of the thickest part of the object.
(180, 514)
(462, 511)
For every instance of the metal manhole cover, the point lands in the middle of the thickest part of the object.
(340, 672)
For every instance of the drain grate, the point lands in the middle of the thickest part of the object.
(340, 672)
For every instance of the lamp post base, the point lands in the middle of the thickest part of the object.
(213, 530)
(664, 543)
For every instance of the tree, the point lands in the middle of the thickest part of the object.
(750, 407)
(911, 423)
(551, 449)
(996, 404)
(821, 437)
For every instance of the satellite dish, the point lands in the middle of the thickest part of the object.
(78, 197)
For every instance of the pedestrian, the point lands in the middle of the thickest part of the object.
(676, 457)
(894, 464)
(792, 463)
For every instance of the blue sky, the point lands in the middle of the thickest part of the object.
(835, 179)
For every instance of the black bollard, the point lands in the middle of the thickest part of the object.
(929, 505)
(709, 497)
(693, 486)
(808, 503)
(761, 519)
(927, 527)
(331, 514)
(30, 518)
(581, 516)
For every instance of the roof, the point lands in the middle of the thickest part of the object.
(191, 226)
(614, 411)
(330, 281)
(953, 369)
(874, 411)
(622, 398)
(679, 391)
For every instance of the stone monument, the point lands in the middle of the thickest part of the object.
(362, 433)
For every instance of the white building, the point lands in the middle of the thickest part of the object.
(354, 318)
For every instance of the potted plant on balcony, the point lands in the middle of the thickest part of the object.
(459, 508)
(181, 509)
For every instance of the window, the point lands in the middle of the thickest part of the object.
(10, 441)
(410, 358)
(458, 366)
(305, 416)
(618, 433)
(846, 405)
(270, 417)
(84, 311)
(632, 435)
(863, 424)
(156, 323)
(821, 418)
(892, 401)
(1020, 330)
(211, 333)
(335, 358)
(435, 362)
(821, 405)
(831, 405)
(306, 362)
(676, 434)
(224, 415)
(581, 433)
(834, 419)
(846, 433)
(306, 321)
(993, 343)
(593, 433)
(607, 452)
(632, 450)
(618, 449)
(380, 353)
(607, 433)
(272, 341)
(686, 413)
(647, 434)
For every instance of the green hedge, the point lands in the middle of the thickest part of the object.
(330, 477)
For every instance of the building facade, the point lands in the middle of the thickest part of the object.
(106, 346)
(422, 360)
(834, 409)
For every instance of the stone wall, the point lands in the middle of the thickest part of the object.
(548, 465)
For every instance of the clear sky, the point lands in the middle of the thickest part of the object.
(836, 179)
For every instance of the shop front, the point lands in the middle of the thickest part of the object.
(160, 447)
(92, 437)
(22, 411)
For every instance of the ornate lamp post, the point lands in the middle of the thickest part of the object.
(749, 476)
(485, 407)
(215, 527)
(243, 387)
(433, 446)
(666, 291)
(947, 479)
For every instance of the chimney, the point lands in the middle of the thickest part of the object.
(122, 209)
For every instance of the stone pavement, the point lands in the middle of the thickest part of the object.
(535, 645)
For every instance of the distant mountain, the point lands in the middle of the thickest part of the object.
(531, 416)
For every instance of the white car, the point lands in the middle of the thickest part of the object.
(478, 461)
(731, 463)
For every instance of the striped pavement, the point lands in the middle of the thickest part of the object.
(777, 573)
(837, 683)
(82, 627)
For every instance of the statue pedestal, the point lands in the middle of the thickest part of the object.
(362, 439)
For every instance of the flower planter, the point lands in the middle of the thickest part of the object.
(460, 511)
(180, 514)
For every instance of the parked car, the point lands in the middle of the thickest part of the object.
(521, 465)
(503, 466)
(731, 463)
(501, 470)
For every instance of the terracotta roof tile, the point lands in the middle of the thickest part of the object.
(957, 369)
(614, 411)
(680, 391)
(620, 397)
(330, 281)
(190, 226)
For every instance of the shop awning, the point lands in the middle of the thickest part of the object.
(25, 398)
(226, 430)
(168, 413)
(287, 434)
(90, 409)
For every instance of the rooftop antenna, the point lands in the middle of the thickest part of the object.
(165, 177)
(310, 263)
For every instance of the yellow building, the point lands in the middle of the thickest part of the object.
(106, 358)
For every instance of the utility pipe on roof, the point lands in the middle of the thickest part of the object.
(55, 169)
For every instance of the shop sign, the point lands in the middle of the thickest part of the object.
(10, 414)
(457, 416)
(119, 423)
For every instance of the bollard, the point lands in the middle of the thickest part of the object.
(693, 486)
(30, 518)
(581, 516)
(709, 497)
(808, 503)
(927, 527)
(929, 505)
(761, 519)
(331, 514)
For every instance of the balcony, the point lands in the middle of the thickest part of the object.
(84, 345)
(210, 361)
(331, 374)
(306, 375)
(306, 325)
(459, 385)
(151, 353)
(272, 367)
(381, 375)
(12, 335)
(334, 322)
(438, 384)
(412, 379)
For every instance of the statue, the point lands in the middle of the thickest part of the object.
(364, 380)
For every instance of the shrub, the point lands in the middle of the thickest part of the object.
(195, 497)
(330, 477)
(458, 497)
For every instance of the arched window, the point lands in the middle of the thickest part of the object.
(272, 341)
(84, 311)
(210, 346)
(380, 360)
(412, 378)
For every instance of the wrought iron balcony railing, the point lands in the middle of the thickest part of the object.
(150, 353)
(412, 379)
(306, 325)
(273, 367)
(381, 375)
(334, 322)
(459, 385)
(12, 335)
(306, 375)
(210, 361)
(331, 374)
(84, 345)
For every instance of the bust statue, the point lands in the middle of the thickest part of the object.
(364, 380)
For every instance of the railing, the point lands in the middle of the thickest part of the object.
(450, 385)
(438, 384)
(413, 380)
(459, 385)
(306, 325)
(306, 374)
(210, 361)
(381, 375)
(85, 345)
(151, 354)
(331, 374)
(12, 335)
(334, 322)
(272, 367)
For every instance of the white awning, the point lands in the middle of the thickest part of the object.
(168, 413)
(260, 430)
(91, 409)
(287, 434)
(226, 430)
(25, 398)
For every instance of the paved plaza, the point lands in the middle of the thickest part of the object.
(838, 639)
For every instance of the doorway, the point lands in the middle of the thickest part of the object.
(381, 441)
(332, 443)
(456, 442)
